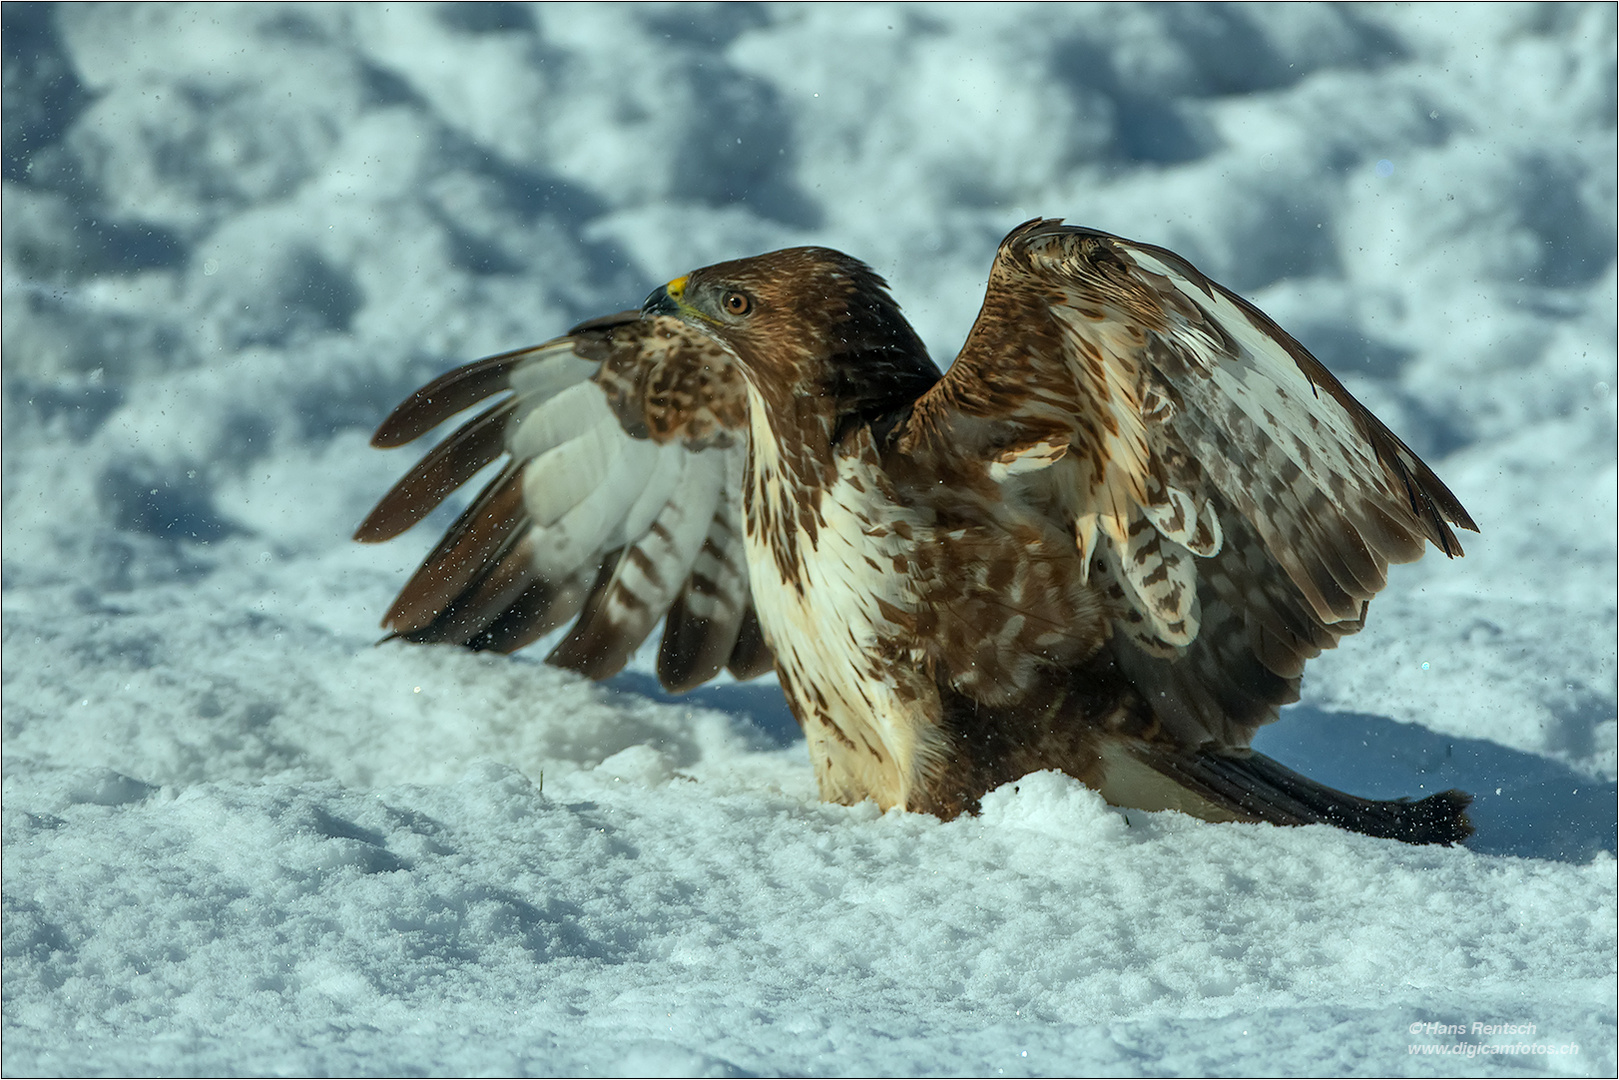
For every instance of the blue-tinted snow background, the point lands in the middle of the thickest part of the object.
(239, 838)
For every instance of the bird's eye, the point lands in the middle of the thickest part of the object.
(737, 303)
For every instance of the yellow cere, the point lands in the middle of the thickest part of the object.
(677, 287)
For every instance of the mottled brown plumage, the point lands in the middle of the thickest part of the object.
(1106, 542)
(617, 505)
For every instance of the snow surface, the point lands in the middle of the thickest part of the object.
(241, 839)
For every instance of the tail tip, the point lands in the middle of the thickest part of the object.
(1439, 819)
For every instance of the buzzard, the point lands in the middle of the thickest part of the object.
(1105, 542)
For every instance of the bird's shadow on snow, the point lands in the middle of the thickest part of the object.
(759, 703)
(1523, 804)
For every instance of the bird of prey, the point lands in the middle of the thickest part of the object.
(1106, 542)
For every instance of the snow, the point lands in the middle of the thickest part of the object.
(239, 838)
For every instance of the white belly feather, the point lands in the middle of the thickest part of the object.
(870, 717)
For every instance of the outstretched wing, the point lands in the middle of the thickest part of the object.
(617, 503)
(1238, 505)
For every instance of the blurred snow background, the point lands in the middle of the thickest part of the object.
(240, 839)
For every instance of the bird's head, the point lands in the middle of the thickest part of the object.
(808, 323)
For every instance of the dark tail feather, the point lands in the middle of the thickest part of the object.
(1261, 789)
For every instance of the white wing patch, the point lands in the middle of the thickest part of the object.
(590, 489)
(723, 559)
(652, 571)
(1181, 518)
(1156, 529)
(1162, 577)
(580, 491)
(1321, 437)
(540, 378)
(1112, 389)
(1168, 362)
(1029, 457)
(542, 424)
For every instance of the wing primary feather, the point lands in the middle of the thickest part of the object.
(691, 652)
(591, 649)
(752, 656)
(647, 579)
(606, 635)
(706, 618)
(1430, 499)
(602, 512)
(538, 610)
(447, 395)
(463, 619)
(483, 530)
(443, 469)
(1432, 504)
(607, 322)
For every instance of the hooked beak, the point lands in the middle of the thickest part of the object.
(667, 300)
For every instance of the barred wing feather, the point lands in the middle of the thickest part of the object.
(1235, 502)
(617, 506)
